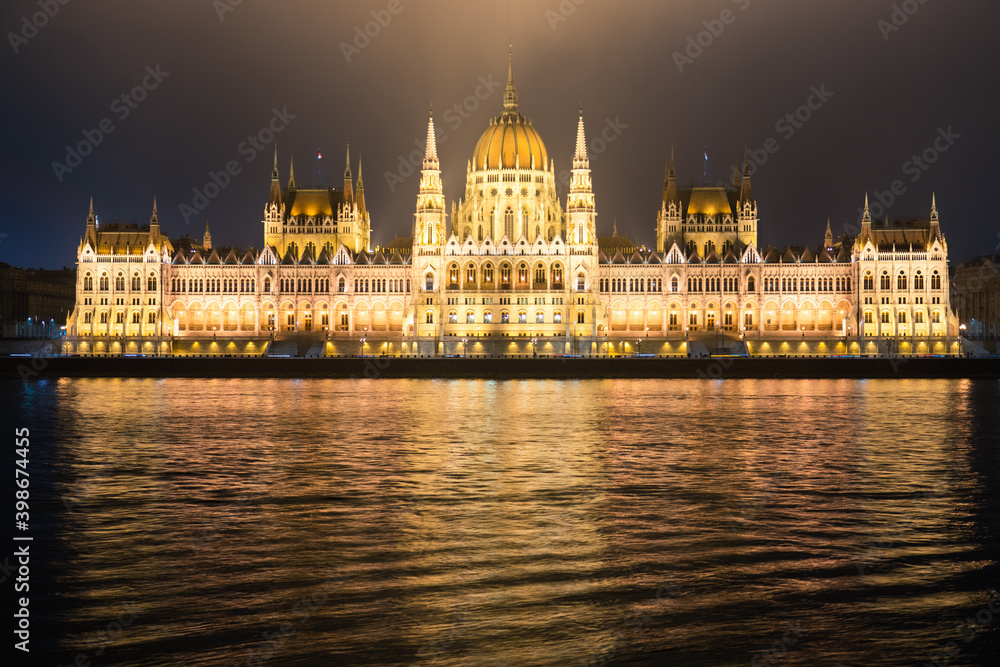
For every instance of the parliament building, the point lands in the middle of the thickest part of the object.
(512, 270)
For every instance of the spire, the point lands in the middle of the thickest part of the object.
(207, 241)
(91, 235)
(828, 237)
(746, 193)
(510, 94)
(348, 179)
(362, 210)
(934, 211)
(154, 219)
(580, 159)
(614, 230)
(935, 223)
(275, 197)
(866, 217)
(670, 180)
(291, 174)
(431, 151)
(91, 219)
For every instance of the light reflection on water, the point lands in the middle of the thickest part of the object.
(519, 523)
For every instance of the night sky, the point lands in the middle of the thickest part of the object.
(893, 85)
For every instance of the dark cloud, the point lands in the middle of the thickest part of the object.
(893, 91)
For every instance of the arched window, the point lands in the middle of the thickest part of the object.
(885, 317)
(470, 317)
(88, 282)
(935, 280)
(488, 273)
(869, 317)
(88, 318)
(673, 284)
(901, 281)
(453, 274)
(480, 233)
(508, 222)
(267, 284)
(539, 317)
(488, 317)
(936, 317)
(505, 317)
(581, 281)
(120, 281)
(539, 274)
(901, 317)
(557, 274)
(918, 317)
(918, 280)
(151, 283)
(557, 317)
(430, 317)
(751, 284)
(522, 317)
(869, 281)
(452, 317)
(884, 281)
(136, 282)
(580, 317)
(104, 317)
(341, 285)
(522, 273)
(470, 274)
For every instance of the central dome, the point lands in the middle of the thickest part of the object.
(510, 141)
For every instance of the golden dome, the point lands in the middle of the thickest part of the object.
(510, 141)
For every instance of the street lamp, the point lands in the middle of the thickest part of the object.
(533, 353)
(465, 343)
(363, 347)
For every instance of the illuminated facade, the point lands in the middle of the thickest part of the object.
(513, 272)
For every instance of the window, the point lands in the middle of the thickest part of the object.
(673, 284)
(136, 282)
(522, 317)
(88, 282)
(430, 317)
(693, 320)
(453, 317)
(267, 284)
(918, 281)
(120, 317)
(580, 318)
(504, 317)
(581, 282)
(488, 273)
(470, 317)
(522, 273)
(429, 281)
(557, 276)
(936, 317)
(88, 318)
(120, 281)
(869, 281)
(539, 317)
(557, 318)
(488, 317)
(135, 317)
(935, 280)
(508, 222)
(748, 320)
(918, 317)
(901, 317)
(751, 284)
(104, 317)
(884, 281)
(885, 317)
(470, 274)
(901, 281)
(869, 317)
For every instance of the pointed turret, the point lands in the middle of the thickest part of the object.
(580, 159)
(866, 225)
(362, 210)
(746, 193)
(510, 94)
(348, 179)
(207, 241)
(430, 150)
(291, 174)
(828, 237)
(91, 234)
(614, 230)
(275, 196)
(670, 180)
(935, 222)
(154, 224)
